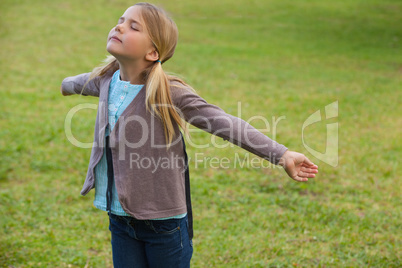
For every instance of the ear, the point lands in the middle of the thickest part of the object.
(153, 55)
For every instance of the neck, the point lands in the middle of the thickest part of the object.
(131, 72)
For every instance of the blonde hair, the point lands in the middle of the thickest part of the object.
(164, 34)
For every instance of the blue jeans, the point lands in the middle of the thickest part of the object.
(150, 243)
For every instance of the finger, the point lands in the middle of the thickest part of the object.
(306, 175)
(300, 179)
(310, 175)
(308, 166)
(308, 162)
(309, 170)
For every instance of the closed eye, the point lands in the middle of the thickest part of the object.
(135, 25)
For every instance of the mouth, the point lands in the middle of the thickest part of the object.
(114, 38)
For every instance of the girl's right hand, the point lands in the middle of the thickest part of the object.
(298, 166)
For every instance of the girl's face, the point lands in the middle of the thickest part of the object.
(129, 39)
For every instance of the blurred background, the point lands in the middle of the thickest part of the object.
(274, 58)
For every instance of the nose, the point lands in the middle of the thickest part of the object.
(118, 28)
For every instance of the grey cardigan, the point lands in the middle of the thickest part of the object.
(149, 178)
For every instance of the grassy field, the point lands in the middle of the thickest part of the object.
(275, 58)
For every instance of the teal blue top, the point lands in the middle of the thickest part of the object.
(121, 94)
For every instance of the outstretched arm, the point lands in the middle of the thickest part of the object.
(214, 120)
(298, 166)
(210, 118)
(75, 85)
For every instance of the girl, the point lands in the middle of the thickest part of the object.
(138, 164)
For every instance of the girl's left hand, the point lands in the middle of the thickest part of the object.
(298, 166)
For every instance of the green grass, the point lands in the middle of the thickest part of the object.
(278, 58)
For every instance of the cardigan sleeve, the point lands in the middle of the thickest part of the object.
(75, 85)
(212, 119)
